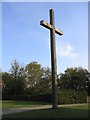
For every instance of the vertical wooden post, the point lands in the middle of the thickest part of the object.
(53, 63)
(53, 30)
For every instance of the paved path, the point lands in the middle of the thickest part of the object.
(14, 110)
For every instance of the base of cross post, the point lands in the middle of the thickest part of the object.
(54, 107)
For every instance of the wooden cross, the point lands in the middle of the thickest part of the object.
(53, 30)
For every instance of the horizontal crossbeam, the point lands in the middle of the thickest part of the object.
(45, 24)
(58, 31)
(49, 26)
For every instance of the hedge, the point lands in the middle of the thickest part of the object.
(72, 96)
(64, 97)
(41, 98)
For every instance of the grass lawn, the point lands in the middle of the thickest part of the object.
(63, 112)
(17, 104)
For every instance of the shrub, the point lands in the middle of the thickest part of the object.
(64, 97)
(71, 96)
(42, 98)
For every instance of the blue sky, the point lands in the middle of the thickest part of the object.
(25, 40)
(88, 37)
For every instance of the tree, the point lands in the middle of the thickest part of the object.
(8, 84)
(74, 78)
(34, 73)
(45, 83)
(89, 85)
(15, 69)
(18, 76)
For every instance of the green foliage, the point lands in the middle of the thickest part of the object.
(64, 97)
(76, 79)
(14, 69)
(44, 86)
(42, 98)
(34, 73)
(69, 96)
(14, 83)
(38, 79)
(34, 82)
(8, 83)
(33, 79)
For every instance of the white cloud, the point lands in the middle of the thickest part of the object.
(66, 51)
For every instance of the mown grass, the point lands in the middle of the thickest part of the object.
(17, 104)
(62, 112)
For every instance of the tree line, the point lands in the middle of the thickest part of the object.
(35, 80)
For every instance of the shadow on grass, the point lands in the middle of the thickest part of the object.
(72, 112)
